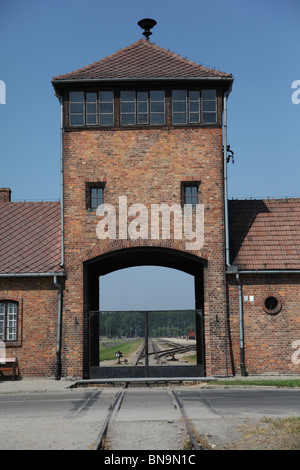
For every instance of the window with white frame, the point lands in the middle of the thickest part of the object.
(8, 321)
(142, 107)
(194, 106)
(91, 109)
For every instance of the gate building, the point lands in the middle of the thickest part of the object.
(144, 159)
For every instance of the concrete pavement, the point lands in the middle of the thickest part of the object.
(53, 414)
(31, 385)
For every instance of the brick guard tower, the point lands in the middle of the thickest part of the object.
(143, 138)
(147, 124)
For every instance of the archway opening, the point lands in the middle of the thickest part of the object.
(147, 288)
(147, 310)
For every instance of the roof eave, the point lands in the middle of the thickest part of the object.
(267, 271)
(145, 79)
(49, 274)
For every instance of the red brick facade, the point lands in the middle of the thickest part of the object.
(35, 347)
(271, 339)
(149, 165)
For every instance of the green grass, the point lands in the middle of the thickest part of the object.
(108, 352)
(288, 383)
(192, 359)
(272, 434)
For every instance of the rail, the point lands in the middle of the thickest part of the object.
(158, 353)
(118, 400)
(192, 436)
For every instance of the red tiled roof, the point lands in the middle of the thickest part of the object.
(142, 60)
(265, 234)
(30, 237)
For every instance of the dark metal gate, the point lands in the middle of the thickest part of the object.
(179, 333)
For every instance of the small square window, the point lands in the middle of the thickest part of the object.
(94, 195)
(189, 193)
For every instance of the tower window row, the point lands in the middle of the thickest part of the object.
(142, 107)
(95, 194)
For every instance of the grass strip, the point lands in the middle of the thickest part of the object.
(287, 383)
(109, 353)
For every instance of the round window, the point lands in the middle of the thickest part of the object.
(272, 305)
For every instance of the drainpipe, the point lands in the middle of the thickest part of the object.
(59, 319)
(232, 269)
(226, 94)
(241, 321)
(62, 263)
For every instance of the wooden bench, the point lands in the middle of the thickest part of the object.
(9, 363)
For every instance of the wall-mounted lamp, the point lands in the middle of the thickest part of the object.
(231, 156)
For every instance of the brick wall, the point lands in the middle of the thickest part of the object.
(270, 339)
(37, 324)
(148, 167)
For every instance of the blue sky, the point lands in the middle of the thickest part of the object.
(257, 41)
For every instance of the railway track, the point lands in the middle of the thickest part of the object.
(150, 354)
(117, 403)
(154, 354)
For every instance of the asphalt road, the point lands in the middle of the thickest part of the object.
(249, 402)
(147, 419)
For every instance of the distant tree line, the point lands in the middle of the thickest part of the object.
(132, 324)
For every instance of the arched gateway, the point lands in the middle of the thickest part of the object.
(143, 184)
(143, 256)
(144, 159)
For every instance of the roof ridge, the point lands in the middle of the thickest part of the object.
(142, 59)
(185, 59)
(82, 69)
